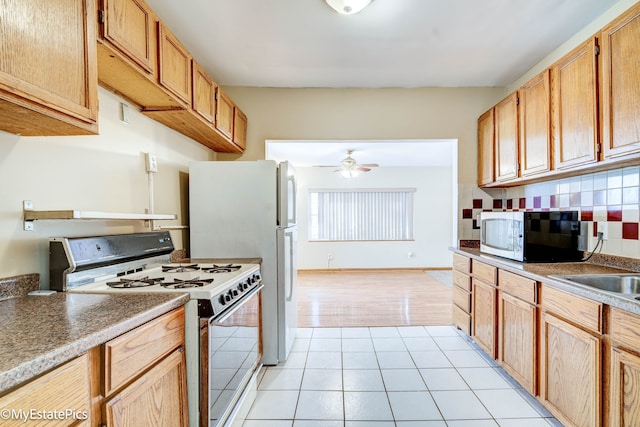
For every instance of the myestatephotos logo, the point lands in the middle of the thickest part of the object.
(33, 414)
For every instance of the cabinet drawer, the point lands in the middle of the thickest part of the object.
(462, 280)
(518, 286)
(462, 320)
(461, 298)
(462, 263)
(581, 311)
(484, 272)
(625, 328)
(128, 355)
(66, 387)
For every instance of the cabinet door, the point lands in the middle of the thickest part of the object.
(158, 398)
(575, 107)
(129, 25)
(506, 122)
(624, 389)
(224, 114)
(620, 88)
(486, 140)
(484, 317)
(174, 73)
(239, 128)
(64, 388)
(535, 125)
(517, 337)
(204, 91)
(570, 372)
(48, 67)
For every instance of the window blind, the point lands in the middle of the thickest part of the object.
(361, 214)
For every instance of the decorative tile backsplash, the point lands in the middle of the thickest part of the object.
(608, 200)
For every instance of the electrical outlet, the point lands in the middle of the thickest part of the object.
(329, 257)
(151, 162)
(603, 231)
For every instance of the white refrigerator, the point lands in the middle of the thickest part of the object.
(240, 209)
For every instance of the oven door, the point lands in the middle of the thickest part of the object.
(233, 343)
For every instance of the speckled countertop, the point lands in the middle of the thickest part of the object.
(41, 332)
(542, 272)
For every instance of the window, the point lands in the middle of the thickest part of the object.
(361, 214)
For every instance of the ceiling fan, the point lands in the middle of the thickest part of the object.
(348, 167)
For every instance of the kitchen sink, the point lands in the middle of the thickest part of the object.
(626, 284)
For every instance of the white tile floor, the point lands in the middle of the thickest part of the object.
(391, 377)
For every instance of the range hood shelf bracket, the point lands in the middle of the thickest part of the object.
(31, 215)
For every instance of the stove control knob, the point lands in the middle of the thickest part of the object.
(222, 300)
(235, 292)
(245, 285)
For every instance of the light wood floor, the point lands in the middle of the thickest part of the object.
(337, 298)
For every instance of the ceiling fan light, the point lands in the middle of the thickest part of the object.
(349, 173)
(348, 7)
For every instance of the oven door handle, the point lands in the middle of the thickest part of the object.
(226, 315)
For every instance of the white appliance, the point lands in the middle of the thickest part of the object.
(248, 209)
(221, 316)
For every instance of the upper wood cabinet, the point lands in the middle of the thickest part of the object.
(48, 67)
(141, 60)
(129, 25)
(128, 54)
(239, 128)
(486, 141)
(224, 113)
(204, 92)
(174, 72)
(506, 134)
(575, 107)
(620, 89)
(535, 125)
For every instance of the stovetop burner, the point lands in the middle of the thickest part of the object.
(180, 268)
(221, 268)
(135, 283)
(187, 283)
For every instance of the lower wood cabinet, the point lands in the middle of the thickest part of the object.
(624, 369)
(461, 293)
(66, 388)
(579, 357)
(517, 340)
(571, 359)
(485, 316)
(157, 398)
(144, 382)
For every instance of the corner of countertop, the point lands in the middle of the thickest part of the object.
(19, 286)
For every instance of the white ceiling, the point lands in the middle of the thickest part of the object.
(392, 43)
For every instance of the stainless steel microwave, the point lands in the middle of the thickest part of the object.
(533, 236)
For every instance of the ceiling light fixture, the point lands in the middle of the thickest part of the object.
(348, 7)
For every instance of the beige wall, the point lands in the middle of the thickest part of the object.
(94, 173)
(422, 113)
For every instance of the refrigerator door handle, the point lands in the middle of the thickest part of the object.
(289, 236)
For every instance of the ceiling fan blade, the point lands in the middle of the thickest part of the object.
(325, 166)
(369, 165)
(362, 169)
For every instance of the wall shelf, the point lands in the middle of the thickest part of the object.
(31, 215)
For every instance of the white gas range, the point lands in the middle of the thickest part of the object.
(221, 317)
